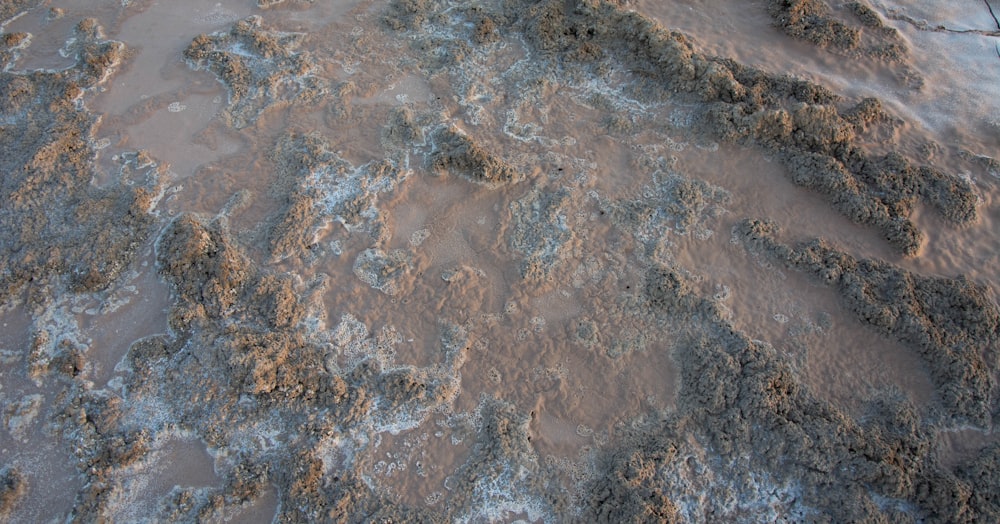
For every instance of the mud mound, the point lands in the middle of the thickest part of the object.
(629, 486)
(810, 20)
(54, 222)
(798, 121)
(456, 152)
(261, 69)
(324, 188)
(815, 22)
(950, 322)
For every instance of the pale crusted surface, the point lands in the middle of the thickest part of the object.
(261, 69)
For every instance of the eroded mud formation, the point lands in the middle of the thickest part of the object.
(457, 153)
(815, 22)
(810, 20)
(292, 396)
(260, 68)
(950, 322)
(56, 226)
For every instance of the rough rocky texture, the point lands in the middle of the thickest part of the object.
(984, 484)
(54, 223)
(456, 152)
(10, 8)
(950, 322)
(798, 121)
(629, 485)
(866, 15)
(325, 188)
(814, 22)
(10, 45)
(810, 20)
(12, 488)
(261, 68)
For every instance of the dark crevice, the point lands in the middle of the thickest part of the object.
(993, 14)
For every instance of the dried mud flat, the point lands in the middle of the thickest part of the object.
(551, 261)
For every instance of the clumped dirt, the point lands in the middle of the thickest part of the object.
(950, 322)
(810, 20)
(261, 68)
(55, 225)
(456, 152)
(815, 22)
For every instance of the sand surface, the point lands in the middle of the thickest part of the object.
(516, 260)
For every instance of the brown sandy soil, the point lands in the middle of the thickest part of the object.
(519, 260)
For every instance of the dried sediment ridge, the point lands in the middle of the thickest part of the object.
(815, 22)
(950, 322)
(54, 223)
(457, 152)
(800, 122)
(811, 20)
